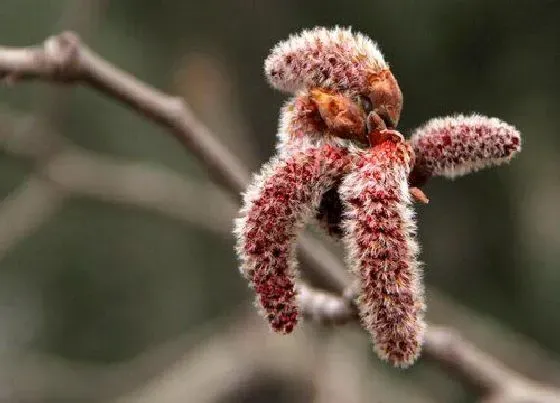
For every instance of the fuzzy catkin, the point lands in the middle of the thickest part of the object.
(457, 145)
(276, 206)
(340, 158)
(337, 59)
(379, 235)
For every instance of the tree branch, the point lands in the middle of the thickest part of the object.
(64, 59)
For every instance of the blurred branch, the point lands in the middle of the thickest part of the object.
(35, 377)
(228, 361)
(510, 347)
(243, 353)
(77, 172)
(474, 368)
(27, 208)
(64, 59)
(144, 185)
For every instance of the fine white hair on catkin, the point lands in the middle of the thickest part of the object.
(334, 58)
(457, 145)
(379, 234)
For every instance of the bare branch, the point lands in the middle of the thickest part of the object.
(324, 307)
(63, 58)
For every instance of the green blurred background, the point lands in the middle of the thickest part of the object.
(99, 283)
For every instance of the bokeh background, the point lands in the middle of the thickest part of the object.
(118, 280)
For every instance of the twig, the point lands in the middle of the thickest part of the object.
(65, 59)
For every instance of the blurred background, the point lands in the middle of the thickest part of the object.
(118, 281)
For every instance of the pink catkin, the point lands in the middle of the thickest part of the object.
(336, 58)
(382, 252)
(458, 145)
(279, 201)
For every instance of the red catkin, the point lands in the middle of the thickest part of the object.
(347, 63)
(379, 235)
(336, 59)
(457, 145)
(337, 162)
(277, 204)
